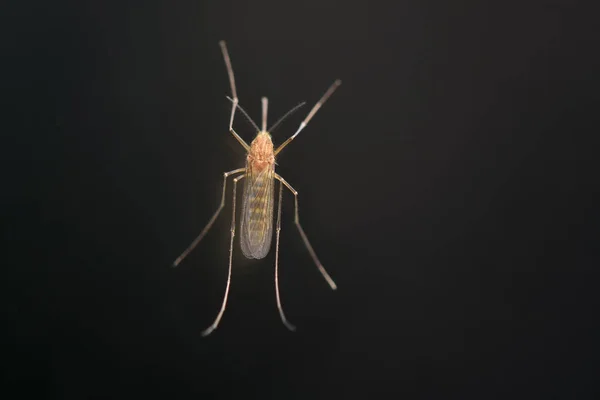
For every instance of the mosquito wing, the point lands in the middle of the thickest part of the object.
(257, 212)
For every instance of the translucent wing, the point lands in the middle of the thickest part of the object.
(257, 212)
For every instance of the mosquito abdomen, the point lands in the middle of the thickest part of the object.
(256, 224)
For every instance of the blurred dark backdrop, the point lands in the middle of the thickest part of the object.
(448, 187)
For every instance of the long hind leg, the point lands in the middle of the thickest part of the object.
(304, 238)
(281, 314)
(214, 325)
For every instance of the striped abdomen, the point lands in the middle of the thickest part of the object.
(256, 224)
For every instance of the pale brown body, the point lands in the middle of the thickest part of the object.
(256, 223)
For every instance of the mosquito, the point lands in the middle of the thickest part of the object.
(256, 223)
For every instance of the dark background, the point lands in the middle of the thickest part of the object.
(447, 186)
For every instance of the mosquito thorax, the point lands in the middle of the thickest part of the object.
(261, 153)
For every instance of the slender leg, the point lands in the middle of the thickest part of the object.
(214, 325)
(281, 314)
(245, 114)
(212, 220)
(239, 139)
(235, 99)
(311, 114)
(304, 238)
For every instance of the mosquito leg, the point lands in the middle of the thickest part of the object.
(214, 325)
(235, 99)
(212, 220)
(304, 238)
(311, 114)
(281, 314)
(239, 139)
